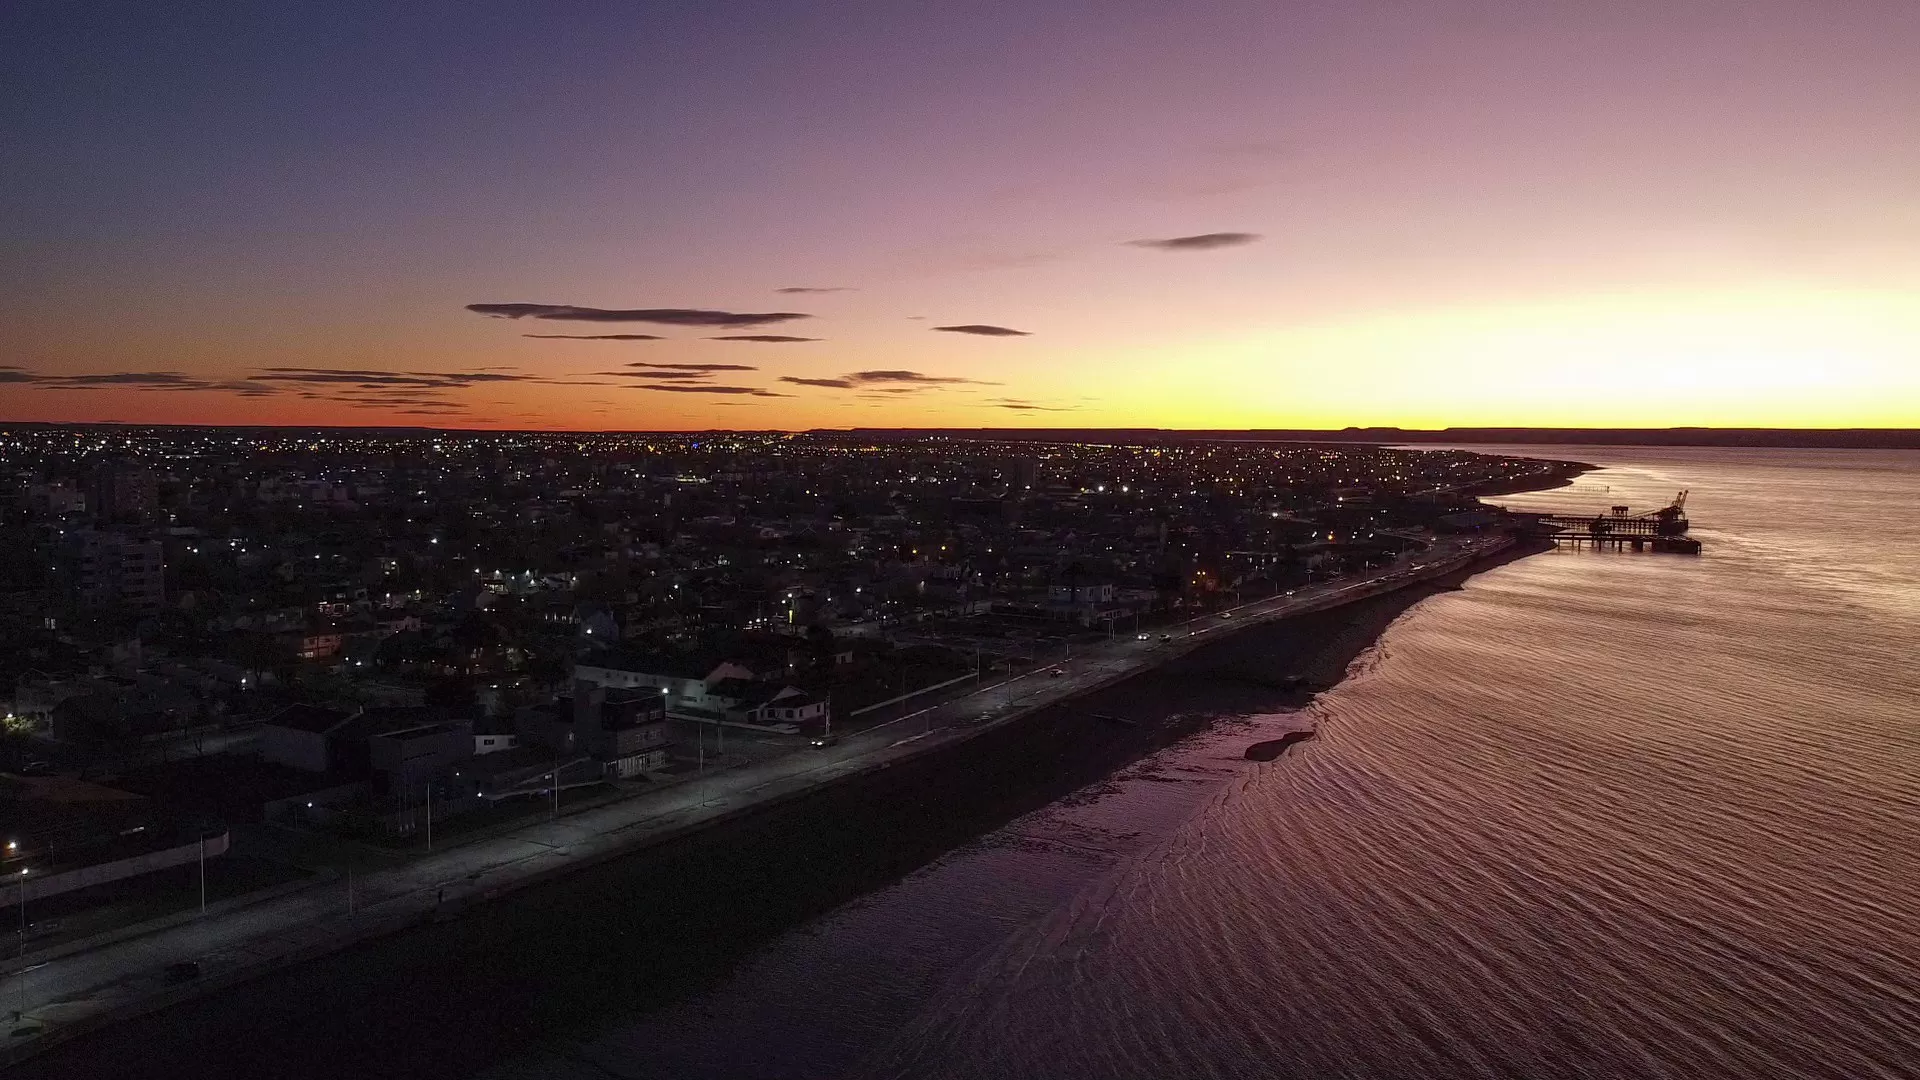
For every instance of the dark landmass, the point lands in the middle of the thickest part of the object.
(1798, 438)
(1786, 438)
(559, 962)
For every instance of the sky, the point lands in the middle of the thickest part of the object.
(1057, 213)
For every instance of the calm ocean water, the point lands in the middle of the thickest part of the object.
(1596, 815)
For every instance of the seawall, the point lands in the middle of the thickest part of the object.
(645, 927)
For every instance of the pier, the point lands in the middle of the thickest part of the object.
(1663, 530)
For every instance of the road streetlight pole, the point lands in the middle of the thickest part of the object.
(203, 870)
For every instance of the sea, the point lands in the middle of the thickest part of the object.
(1597, 814)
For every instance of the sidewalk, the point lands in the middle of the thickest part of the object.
(64, 996)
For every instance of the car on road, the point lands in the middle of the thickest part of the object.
(1055, 672)
(826, 740)
(1166, 637)
(36, 768)
(1143, 636)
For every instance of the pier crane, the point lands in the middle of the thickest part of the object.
(1664, 529)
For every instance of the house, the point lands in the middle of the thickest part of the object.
(1076, 595)
(597, 625)
(755, 701)
(684, 681)
(304, 737)
(318, 642)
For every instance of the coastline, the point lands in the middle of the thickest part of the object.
(552, 959)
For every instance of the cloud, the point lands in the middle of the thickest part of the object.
(598, 337)
(797, 290)
(370, 379)
(1020, 405)
(768, 338)
(693, 367)
(1200, 242)
(665, 316)
(139, 380)
(152, 380)
(906, 377)
(656, 374)
(891, 382)
(752, 391)
(246, 389)
(983, 329)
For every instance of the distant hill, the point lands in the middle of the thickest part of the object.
(1843, 438)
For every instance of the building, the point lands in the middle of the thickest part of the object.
(412, 757)
(768, 703)
(56, 500)
(62, 834)
(115, 569)
(304, 737)
(682, 681)
(125, 493)
(624, 730)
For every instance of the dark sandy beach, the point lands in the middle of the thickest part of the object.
(560, 960)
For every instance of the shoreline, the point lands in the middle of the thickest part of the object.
(716, 892)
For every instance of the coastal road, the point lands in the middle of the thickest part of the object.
(68, 992)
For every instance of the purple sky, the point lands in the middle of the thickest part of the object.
(1542, 212)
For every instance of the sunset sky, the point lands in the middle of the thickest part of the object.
(1261, 214)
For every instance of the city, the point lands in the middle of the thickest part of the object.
(241, 660)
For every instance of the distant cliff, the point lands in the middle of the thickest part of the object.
(1855, 438)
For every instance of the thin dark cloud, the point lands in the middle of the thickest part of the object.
(151, 380)
(771, 339)
(983, 330)
(340, 378)
(1200, 242)
(865, 377)
(664, 316)
(803, 290)
(598, 337)
(138, 380)
(692, 367)
(750, 391)
(246, 389)
(1020, 405)
(371, 379)
(656, 374)
(886, 381)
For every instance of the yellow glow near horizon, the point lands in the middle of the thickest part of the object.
(1773, 357)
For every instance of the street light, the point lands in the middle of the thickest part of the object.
(23, 911)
